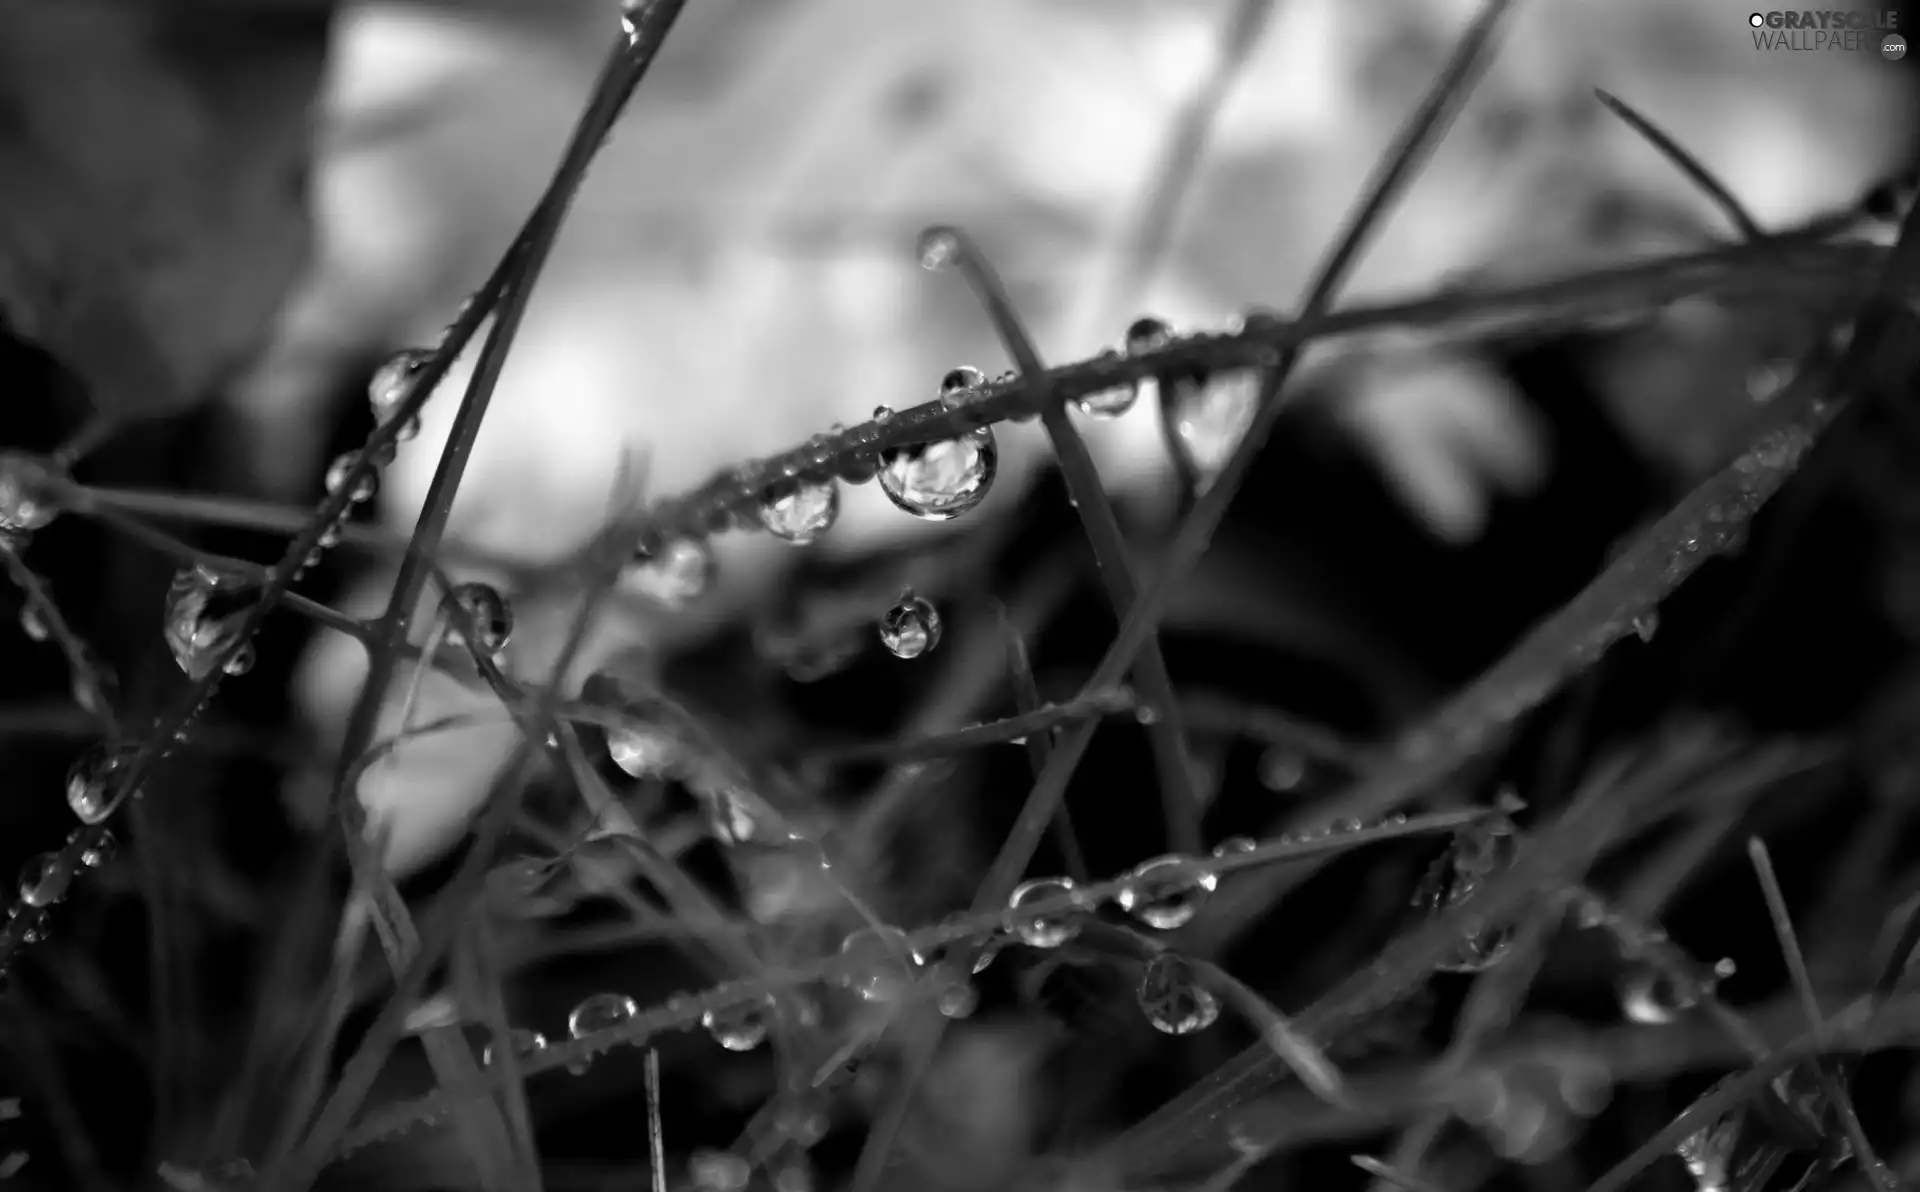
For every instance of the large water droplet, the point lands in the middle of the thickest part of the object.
(27, 500)
(643, 750)
(394, 382)
(1166, 892)
(341, 468)
(42, 881)
(882, 963)
(599, 1012)
(524, 1043)
(1210, 418)
(1173, 999)
(1043, 931)
(1649, 995)
(803, 514)
(205, 608)
(940, 481)
(957, 387)
(737, 1028)
(91, 784)
(674, 576)
(490, 613)
(911, 627)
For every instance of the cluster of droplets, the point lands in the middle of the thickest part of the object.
(1527, 1109)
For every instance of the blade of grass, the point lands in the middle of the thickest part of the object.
(656, 1134)
(1695, 170)
(1039, 741)
(1089, 498)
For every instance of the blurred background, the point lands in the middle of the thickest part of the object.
(217, 218)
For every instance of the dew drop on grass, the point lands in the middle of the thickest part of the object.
(42, 883)
(938, 249)
(911, 627)
(1173, 999)
(882, 963)
(1043, 931)
(1143, 335)
(957, 997)
(525, 1043)
(1166, 892)
(27, 501)
(882, 414)
(1235, 845)
(674, 576)
(643, 750)
(1211, 417)
(1282, 769)
(490, 613)
(802, 515)
(338, 471)
(90, 784)
(940, 481)
(737, 1028)
(1648, 995)
(204, 611)
(32, 624)
(100, 852)
(957, 387)
(599, 1012)
(1646, 625)
(394, 382)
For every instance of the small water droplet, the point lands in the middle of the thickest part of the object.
(1173, 999)
(490, 613)
(957, 997)
(957, 387)
(986, 957)
(882, 413)
(911, 627)
(394, 383)
(100, 852)
(938, 249)
(1648, 995)
(204, 611)
(674, 576)
(1210, 418)
(643, 750)
(524, 1042)
(1282, 769)
(737, 1028)
(338, 471)
(1043, 931)
(27, 499)
(1646, 625)
(1724, 968)
(597, 1013)
(805, 513)
(1166, 892)
(883, 963)
(942, 480)
(32, 624)
(1234, 845)
(42, 882)
(91, 784)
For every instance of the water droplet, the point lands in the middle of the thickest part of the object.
(204, 611)
(394, 383)
(718, 1171)
(1166, 892)
(27, 500)
(1648, 995)
(940, 481)
(986, 957)
(597, 1013)
(241, 662)
(643, 750)
(957, 997)
(1043, 931)
(100, 852)
(938, 248)
(91, 786)
(911, 627)
(674, 576)
(42, 882)
(1282, 769)
(1476, 853)
(803, 514)
(1724, 968)
(956, 388)
(883, 963)
(1234, 845)
(338, 471)
(524, 1042)
(1173, 999)
(1211, 417)
(1110, 402)
(490, 613)
(737, 1028)
(1709, 1154)
(1766, 380)
(1646, 625)
(734, 817)
(32, 624)
(882, 413)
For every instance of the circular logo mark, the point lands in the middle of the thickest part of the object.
(1893, 47)
(1756, 20)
